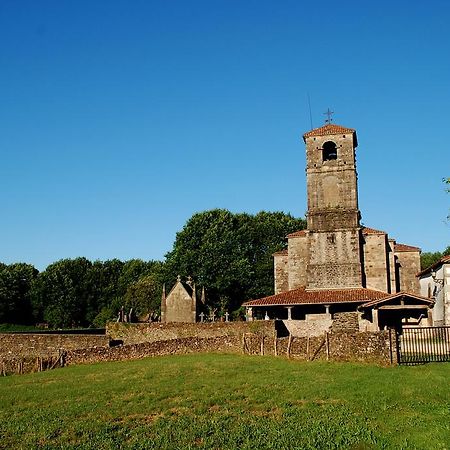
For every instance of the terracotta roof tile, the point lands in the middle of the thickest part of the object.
(405, 248)
(366, 230)
(296, 234)
(329, 129)
(281, 253)
(324, 296)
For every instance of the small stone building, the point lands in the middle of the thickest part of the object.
(180, 305)
(337, 265)
(435, 283)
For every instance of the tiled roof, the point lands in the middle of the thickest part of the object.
(366, 230)
(329, 129)
(281, 253)
(296, 234)
(405, 248)
(444, 259)
(403, 294)
(303, 296)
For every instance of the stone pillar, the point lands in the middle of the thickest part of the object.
(289, 310)
(375, 319)
(249, 313)
(327, 309)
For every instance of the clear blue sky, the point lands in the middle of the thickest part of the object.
(120, 119)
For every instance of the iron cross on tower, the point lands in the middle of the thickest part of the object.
(328, 113)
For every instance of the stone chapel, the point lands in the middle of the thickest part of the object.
(337, 265)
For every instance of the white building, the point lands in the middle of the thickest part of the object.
(435, 283)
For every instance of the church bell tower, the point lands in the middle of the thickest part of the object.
(333, 215)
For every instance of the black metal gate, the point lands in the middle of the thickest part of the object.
(418, 345)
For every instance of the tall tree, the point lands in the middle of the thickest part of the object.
(144, 296)
(230, 254)
(61, 293)
(16, 281)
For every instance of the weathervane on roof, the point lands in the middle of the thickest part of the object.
(328, 113)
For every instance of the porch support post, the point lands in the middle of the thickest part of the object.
(289, 310)
(327, 309)
(430, 316)
(249, 313)
(375, 319)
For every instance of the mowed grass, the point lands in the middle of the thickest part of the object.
(227, 402)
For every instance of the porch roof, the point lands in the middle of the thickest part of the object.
(303, 296)
(404, 299)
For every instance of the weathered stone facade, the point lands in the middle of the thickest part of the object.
(336, 251)
(337, 265)
(408, 265)
(181, 303)
(333, 216)
(377, 269)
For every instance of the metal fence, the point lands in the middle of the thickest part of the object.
(418, 345)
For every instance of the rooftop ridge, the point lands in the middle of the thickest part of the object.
(328, 129)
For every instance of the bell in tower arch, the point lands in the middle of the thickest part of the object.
(329, 151)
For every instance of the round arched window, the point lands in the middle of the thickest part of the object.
(329, 151)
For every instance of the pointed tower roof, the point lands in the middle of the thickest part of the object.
(330, 129)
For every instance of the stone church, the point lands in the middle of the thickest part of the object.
(337, 265)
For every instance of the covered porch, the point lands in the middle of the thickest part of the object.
(397, 311)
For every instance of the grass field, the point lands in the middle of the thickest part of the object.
(227, 401)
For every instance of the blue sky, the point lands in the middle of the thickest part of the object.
(120, 119)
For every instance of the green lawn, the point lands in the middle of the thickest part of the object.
(227, 401)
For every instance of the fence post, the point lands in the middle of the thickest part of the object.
(289, 346)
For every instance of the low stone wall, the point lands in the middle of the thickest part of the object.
(31, 345)
(221, 344)
(249, 338)
(135, 333)
(373, 347)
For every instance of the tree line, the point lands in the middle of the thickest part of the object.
(230, 254)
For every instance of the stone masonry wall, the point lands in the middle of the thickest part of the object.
(409, 266)
(32, 345)
(220, 344)
(334, 260)
(134, 333)
(368, 347)
(298, 260)
(376, 262)
(280, 266)
(352, 346)
(345, 322)
(249, 338)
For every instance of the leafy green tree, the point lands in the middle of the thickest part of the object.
(16, 281)
(427, 259)
(61, 293)
(131, 271)
(230, 254)
(144, 296)
(103, 290)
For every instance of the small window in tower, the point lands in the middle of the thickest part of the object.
(329, 151)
